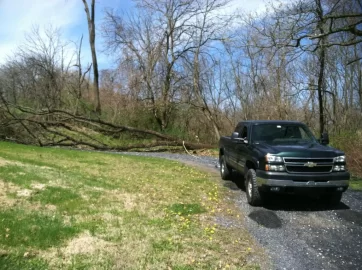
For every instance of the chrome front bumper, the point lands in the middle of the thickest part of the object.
(284, 179)
(291, 183)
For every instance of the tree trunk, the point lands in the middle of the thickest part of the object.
(322, 62)
(92, 38)
(320, 88)
(360, 84)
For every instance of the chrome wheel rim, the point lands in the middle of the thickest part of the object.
(250, 187)
(222, 167)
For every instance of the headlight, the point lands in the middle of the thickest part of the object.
(275, 168)
(271, 158)
(339, 168)
(340, 159)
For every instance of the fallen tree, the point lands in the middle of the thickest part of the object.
(57, 127)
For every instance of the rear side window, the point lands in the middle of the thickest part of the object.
(239, 129)
(244, 133)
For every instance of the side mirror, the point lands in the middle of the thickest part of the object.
(325, 138)
(235, 135)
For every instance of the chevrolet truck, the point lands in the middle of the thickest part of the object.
(283, 157)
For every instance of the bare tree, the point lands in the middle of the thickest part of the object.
(209, 27)
(182, 71)
(312, 27)
(77, 85)
(138, 43)
(174, 18)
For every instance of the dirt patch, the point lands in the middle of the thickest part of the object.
(84, 244)
(5, 162)
(51, 207)
(4, 253)
(38, 186)
(130, 201)
(108, 217)
(5, 188)
(45, 168)
(24, 193)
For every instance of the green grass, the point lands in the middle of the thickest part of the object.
(186, 209)
(81, 210)
(33, 229)
(166, 245)
(356, 183)
(20, 175)
(11, 262)
(350, 142)
(64, 199)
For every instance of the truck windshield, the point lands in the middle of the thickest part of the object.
(281, 134)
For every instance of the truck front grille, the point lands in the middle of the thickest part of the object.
(308, 165)
(304, 160)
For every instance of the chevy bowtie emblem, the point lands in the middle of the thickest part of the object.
(310, 164)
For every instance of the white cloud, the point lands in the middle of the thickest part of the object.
(251, 6)
(19, 16)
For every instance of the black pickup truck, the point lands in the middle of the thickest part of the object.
(283, 156)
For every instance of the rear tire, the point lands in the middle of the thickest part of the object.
(225, 170)
(252, 192)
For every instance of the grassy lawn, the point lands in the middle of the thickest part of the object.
(356, 183)
(63, 209)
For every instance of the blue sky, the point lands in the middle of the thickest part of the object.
(17, 17)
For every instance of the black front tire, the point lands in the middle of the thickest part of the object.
(252, 192)
(225, 170)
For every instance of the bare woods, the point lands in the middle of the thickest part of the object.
(188, 70)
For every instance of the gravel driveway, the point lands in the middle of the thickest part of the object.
(298, 232)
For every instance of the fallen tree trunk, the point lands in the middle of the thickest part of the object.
(65, 130)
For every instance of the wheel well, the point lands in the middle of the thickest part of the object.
(221, 151)
(249, 165)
